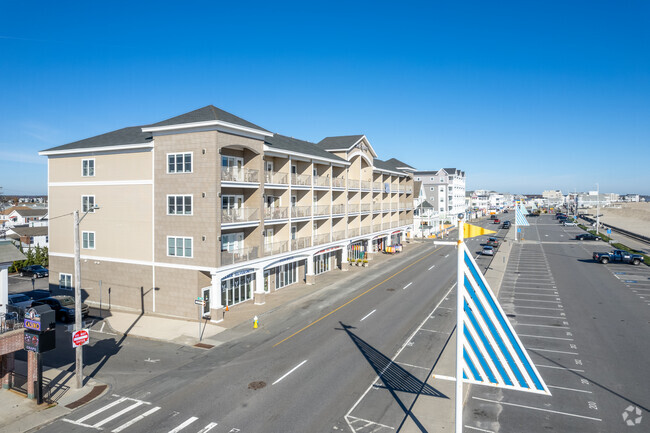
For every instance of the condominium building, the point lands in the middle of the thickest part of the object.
(445, 189)
(210, 205)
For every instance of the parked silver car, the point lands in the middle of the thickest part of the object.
(19, 300)
(488, 251)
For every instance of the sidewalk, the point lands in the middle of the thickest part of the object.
(436, 414)
(19, 414)
(186, 332)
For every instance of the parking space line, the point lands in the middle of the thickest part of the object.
(532, 294)
(542, 326)
(560, 368)
(553, 351)
(535, 300)
(134, 420)
(570, 389)
(478, 429)
(432, 330)
(540, 308)
(545, 317)
(412, 366)
(548, 338)
(537, 408)
(187, 422)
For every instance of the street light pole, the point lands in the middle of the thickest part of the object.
(597, 209)
(77, 294)
(77, 300)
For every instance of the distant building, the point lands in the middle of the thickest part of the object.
(553, 197)
(445, 189)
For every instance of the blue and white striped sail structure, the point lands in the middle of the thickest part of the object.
(492, 352)
(523, 209)
(520, 219)
(533, 206)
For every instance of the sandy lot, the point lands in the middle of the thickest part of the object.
(634, 217)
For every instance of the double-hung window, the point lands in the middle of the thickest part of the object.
(87, 167)
(179, 162)
(88, 203)
(65, 281)
(179, 205)
(179, 246)
(88, 240)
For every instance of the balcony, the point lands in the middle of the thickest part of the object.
(365, 207)
(401, 190)
(338, 182)
(353, 207)
(385, 226)
(300, 211)
(300, 243)
(275, 177)
(409, 190)
(239, 215)
(377, 186)
(365, 184)
(276, 213)
(320, 210)
(300, 179)
(353, 232)
(338, 235)
(322, 181)
(365, 230)
(353, 184)
(237, 174)
(321, 239)
(238, 255)
(338, 209)
(276, 248)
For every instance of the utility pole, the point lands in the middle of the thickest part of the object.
(597, 209)
(77, 300)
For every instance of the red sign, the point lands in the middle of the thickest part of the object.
(80, 338)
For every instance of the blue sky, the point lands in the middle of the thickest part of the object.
(523, 96)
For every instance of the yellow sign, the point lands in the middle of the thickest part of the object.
(470, 231)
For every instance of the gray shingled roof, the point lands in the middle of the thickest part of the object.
(134, 134)
(30, 231)
(206, 114)
(341, 142)
(397, 163)
(32, 212)
(294, 145)
(391, 165)
(9, 253)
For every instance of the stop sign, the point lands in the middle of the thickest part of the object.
(80, 337)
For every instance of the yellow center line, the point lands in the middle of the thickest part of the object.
(355, 298)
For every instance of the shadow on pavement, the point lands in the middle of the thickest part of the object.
(393, 377)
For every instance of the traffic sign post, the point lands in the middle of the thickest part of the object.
(80, 338)
(200, 302)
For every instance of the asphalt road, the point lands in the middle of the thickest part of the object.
(585, 326)
(305, 368)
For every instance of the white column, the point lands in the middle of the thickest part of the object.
(215, 292)
(4, 288)
(258, 295)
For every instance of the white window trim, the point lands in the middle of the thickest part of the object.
(91, 209)
(191, 196)
(176, 154)
(82, 167)
(82, 242)
(184, 238)
(71, 283)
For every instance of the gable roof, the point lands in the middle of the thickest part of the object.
(343, 142)
(13, 208)
(399, 164)
(30, 231)
(31, 212)
(282, 142)
(9, 253)
(390, 165)
(134, 135)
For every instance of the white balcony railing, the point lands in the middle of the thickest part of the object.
(338, 182)
(353, 232)
(300, 179)
(300, 211)
(239, 215)
(321, 239)
(238, 255)
(338, 235)
(365, 230)
(365, 207)
(276, 213)
(377, 186)
(322, 209)
(338, 209)
(239, 174)
(322, 181)
(353, 183)
(276, 247)
(300, 243)
(365, 184)
(276, 177)
(353, 207)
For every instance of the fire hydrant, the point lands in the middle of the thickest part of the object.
(255, 322)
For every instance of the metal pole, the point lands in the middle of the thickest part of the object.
(100, 299)
(459, 327)
(597, 208)
(200, 306)
(77, 300)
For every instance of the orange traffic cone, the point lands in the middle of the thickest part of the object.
(227, 308)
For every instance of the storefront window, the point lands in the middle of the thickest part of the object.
(238, 289)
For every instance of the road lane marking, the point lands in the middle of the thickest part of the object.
(548, 338)
(289, 372)
(542, 326)
(570, 389)
(136, 419)
(119, 414)
(535, 315)
(412, 366)
(404, 288)
(431, 267)
(367, 315)
(540, 308)
(537, 408)
(208, 427)
(531, 294)
(432, 330)
(478, 429)
(536, 300)
(356, 297)
(189, 421)
(102, 409)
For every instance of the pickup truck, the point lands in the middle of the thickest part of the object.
(618, 256)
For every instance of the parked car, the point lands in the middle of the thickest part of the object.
(497, 221)
(569, 222)
(587, 237)
(505, 211)
(493, 242)
(38, 294)
(487, 251)
(20, 300)
(618, 256)
(506, 225)
(37, 271)
(63, 307)
(559, 215)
